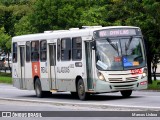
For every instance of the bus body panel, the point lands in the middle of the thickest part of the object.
(44, 77)
(66, 75)
(28, 74)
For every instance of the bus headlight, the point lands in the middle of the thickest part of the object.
(145, 73)
(100, 76)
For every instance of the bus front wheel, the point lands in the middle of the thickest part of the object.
(81, 90)
(126, 93)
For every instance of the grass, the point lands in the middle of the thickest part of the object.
(155, 85)
(5, 78)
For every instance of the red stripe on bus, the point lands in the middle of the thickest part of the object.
(35, 69)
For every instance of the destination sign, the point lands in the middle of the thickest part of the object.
(116, 32)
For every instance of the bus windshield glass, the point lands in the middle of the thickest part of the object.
(119, 53)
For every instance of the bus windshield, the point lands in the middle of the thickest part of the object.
(119, 53)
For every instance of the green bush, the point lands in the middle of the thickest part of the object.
(154, 86)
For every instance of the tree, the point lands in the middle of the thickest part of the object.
(93, 16)
(65, 14)
(44, 16)
(11, 12)
(19, 17)
(138, 13)
(152, 29)
(5, 43)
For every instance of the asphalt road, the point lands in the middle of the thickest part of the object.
(13, 99)
(139, 100)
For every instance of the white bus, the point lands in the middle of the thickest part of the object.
(82, 61)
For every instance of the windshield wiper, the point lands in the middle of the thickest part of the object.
(114, 46)
(129, 42)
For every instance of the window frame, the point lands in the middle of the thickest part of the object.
(43, 51)
(28, 58)
(14, 52)
(58, 49)
(66, 49)
(35, 51)
(74, 48)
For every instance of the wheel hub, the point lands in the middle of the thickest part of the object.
(81, 89)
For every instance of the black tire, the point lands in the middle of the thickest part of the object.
(126, 93)
(74, 94)
(38, 90)
(47, 93)
(81, 90)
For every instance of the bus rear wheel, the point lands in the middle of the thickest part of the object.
(126, 93)
(81, 90)
(38, 90)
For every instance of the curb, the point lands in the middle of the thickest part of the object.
(95, 105)
(150, 90)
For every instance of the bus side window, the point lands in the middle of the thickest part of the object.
(65, 49)
(28, 52)
(14, 52)
(43, 50)
(35, 51)
(77, 48)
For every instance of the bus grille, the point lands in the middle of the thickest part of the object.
(120, 80)
(132, 78)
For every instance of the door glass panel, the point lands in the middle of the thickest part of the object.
(52, 52)
(22, 56)
(89, 64)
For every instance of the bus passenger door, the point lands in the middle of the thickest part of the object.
(88, 52)
(22, 66)
(52, 61)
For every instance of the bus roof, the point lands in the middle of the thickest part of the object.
(88, 31)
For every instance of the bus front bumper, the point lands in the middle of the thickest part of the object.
(104, 86)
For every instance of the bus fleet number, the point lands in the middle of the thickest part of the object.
(43, 69)
(63, 70)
